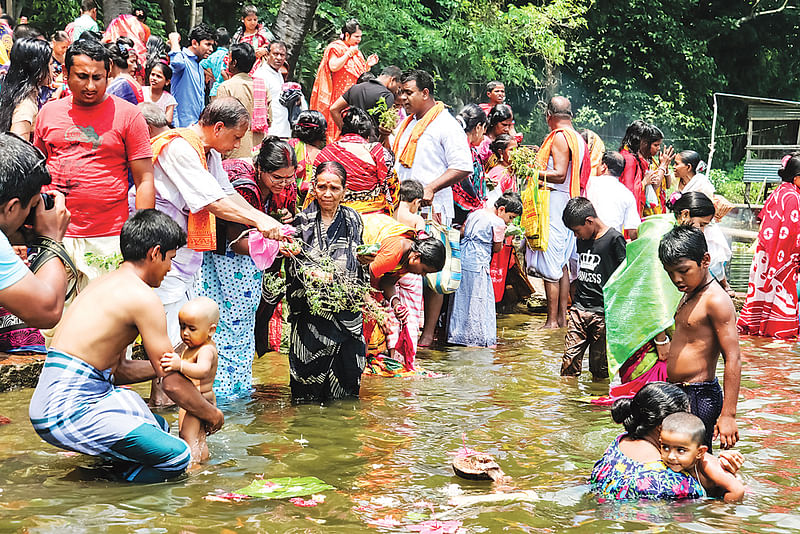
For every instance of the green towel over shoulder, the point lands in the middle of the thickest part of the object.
(639, 298)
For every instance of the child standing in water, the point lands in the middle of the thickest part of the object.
(601, 250)
(705, 326)
(198, 321)
(473, 322)
(682, 450)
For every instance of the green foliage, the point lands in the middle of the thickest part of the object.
(50, 16)
(155, 19)
(107, 263)
(729, 184)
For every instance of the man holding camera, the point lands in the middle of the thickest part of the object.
(37, 299)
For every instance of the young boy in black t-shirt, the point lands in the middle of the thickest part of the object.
(601, 251)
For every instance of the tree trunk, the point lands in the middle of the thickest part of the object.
(291, 26)
(114, 8)
(168, 12)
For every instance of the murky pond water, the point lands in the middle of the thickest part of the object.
(390, 450)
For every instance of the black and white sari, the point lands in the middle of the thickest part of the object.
(327, 353)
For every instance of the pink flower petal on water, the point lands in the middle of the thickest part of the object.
(436, 527)
(387, 521)
(299, 501)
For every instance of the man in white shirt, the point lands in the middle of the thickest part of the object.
(270, 72)
(613, 201)
(186, 184)
(430, 145)
(432, 148)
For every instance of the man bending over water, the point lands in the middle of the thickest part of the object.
(705, 326)
(76, 405)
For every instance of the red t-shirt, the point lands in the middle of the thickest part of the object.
(88, 149)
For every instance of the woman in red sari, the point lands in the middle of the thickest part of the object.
(372, 185)
(635, 165)
(771, 306)
(342, 63)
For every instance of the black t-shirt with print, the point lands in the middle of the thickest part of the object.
(599, 258)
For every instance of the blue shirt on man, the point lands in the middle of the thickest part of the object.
(188, 87)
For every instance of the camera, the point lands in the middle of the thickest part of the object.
(47, 201)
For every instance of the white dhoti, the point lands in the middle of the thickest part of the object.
(549, 264)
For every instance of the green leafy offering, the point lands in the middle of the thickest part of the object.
(523, 166)
(368, 249)
(387, 117)
(107, 263)
(284, 488)
(513, 230)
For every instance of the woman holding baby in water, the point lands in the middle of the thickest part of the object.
(633, 468)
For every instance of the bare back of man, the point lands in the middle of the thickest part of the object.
(107, 316)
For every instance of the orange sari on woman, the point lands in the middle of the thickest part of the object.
(329, 86)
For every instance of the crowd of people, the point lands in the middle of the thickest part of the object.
(196, 185)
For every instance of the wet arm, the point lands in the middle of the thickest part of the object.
(726, 484)
(723, 321)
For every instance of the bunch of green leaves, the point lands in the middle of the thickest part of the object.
(387, 117)
(332, 289)
(523, 166)
(107, 263)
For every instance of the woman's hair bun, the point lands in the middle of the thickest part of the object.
(621, 410)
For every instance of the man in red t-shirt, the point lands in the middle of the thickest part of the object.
(91, 141)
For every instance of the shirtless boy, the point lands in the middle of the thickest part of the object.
(198, 321)
(76, 405)
(682, 450)
(705, 326)
(411, 193)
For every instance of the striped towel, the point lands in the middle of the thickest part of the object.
(260, 105)
(76, 407)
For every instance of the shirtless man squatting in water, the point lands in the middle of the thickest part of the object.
(76, 405)
(705, 326)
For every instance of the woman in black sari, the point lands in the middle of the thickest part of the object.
(326, 350)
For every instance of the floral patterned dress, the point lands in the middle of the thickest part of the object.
(617, 477)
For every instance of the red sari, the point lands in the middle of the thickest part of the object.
(329, 86)
(371, 187)
(633, 175)
(771, 306)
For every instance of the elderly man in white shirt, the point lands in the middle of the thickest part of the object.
(270, 72)
(431, 147)
(613, 202)
(186, 183)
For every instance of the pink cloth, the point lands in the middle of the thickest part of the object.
(260, 105)
(657, 373)
(263, 251)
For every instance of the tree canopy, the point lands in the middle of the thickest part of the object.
(617, 61)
